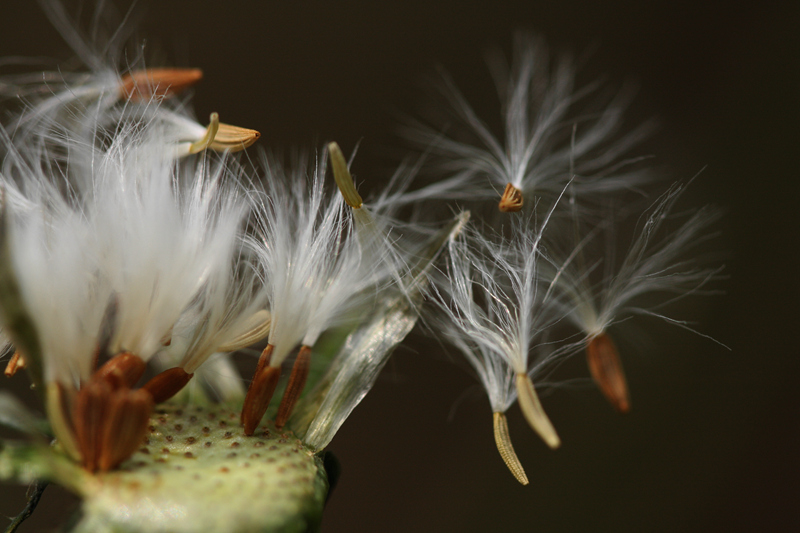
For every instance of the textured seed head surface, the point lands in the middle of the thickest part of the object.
(197, 471)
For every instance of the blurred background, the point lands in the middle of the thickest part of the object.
(712, 440)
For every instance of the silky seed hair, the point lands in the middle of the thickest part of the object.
(305, 234)
(656, 263)
(551, 135)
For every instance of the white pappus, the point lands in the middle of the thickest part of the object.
(491, 309)
(549, 138)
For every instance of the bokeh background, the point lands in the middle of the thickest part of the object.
(712, 440)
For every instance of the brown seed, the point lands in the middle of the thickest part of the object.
(89, 416)
(260, 392)
(126, 428)
(606, 369)
(297, 381)
(264, 358)
(167, 384)
(143, 85)
(110, 424)
(122, 370)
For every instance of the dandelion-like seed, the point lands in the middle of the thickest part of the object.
(550, 137)
(654, 264)
(491, 298)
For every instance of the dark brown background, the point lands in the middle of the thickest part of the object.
(712, 441)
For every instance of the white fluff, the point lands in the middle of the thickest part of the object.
(597, 294)
(492, 310)
(62, 99)
(315, 270)
(230, 309)
(549, 136)
(53, 253)
(164, 231)
(131, 225)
